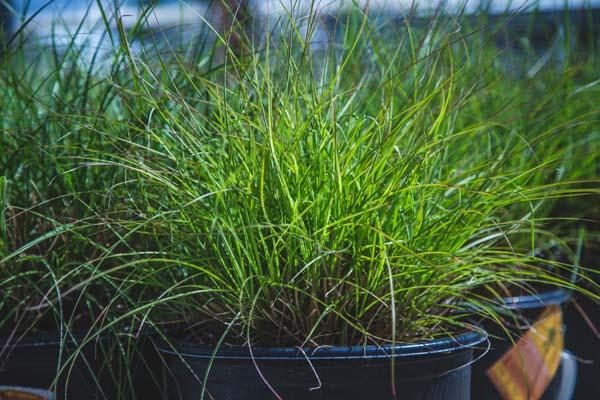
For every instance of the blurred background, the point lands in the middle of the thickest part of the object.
(85, 22)
(168, 13)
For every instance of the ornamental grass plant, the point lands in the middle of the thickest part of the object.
(59, 98)
(550, 97)
(45, 104)
(296, 197)
(547, 93)
(54, 99)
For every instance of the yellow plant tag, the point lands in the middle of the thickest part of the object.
(525, 371)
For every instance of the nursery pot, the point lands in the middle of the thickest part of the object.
(525, 358)
(100, 370)
(436, 369)
(580, 338)
(31, 364)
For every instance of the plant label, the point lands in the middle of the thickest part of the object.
(525, 371)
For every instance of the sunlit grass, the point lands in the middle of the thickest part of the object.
(334, 197)
(354, 192)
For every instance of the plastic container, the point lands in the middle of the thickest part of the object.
(33, 363)
(437, 369)
(530, 307)
(100, 370)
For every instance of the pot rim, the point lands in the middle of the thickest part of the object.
(556, 296)
(47, 338)
(446, 345)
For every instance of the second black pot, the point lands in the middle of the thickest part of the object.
(529, 308)
(111, 367)
(437, 369)
(66, 368)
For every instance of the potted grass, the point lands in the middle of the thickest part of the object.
(64, 329)
(315, 236)
(57, 333)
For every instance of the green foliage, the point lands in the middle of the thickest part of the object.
(384, 187)
(339, 195)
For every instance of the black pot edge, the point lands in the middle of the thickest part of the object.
(53, 338)
(451, 344)
(556, 296)
(50, 338)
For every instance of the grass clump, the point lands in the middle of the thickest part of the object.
(318, 198)
(541, 98)
(383, 188)
(57, 98)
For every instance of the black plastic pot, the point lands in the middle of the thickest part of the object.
(580, 338)
(529, 307)
(437, 369)
(102, 369)
(33, 362)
